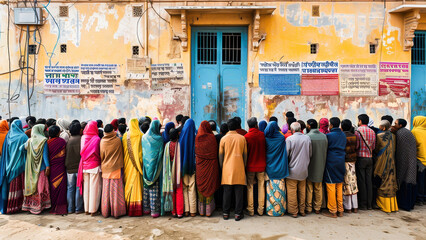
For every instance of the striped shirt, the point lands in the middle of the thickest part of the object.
(369, 137)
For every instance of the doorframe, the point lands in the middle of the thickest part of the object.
(193, 29)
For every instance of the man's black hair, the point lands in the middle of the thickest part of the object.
(213, 125)
(291, 120)
(174, 134)
(50, 122)
(145, 127)
(179, 118)
(335, 121)
(302, 125)
(121, 121)
(122, 128)
(289, 114)
(364, 118)
(232, 124)
(41, 121)
(224, 128)
(13, 119)
(252, 122)
(108, 128)
(273, 119)
(184, 120)
(75, 121)
(402, 122)
(99, 123)
(75, 129)
(313, 123)
(346, 125)
(387, 117)
(54, 131)
(83, 125)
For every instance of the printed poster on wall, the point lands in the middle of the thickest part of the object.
(279, 78)
(99, 79)
(61, 80)
(358, 79)
(167, 71)
(394, 78)
(320, 78)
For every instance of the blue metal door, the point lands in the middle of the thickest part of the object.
(219, 73)
(418, 75)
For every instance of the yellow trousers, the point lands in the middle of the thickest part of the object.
(335, 197)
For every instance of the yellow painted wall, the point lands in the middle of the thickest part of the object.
(105, 33)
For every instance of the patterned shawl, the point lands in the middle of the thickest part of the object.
(384, 167)
(152, 147)
(167, 186)
(406, 157)
(34, 158)
(323, 125)
(207, 165)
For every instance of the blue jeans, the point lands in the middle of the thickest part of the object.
(74, 198)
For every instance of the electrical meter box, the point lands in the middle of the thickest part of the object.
(28, 16)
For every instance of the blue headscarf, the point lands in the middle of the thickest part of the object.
(262, 125)
(12, 163)
(166, 137)
(187, 147)
(152, 146)
(276, 153)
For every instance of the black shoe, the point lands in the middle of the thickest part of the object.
(239, 217)
(225, 216)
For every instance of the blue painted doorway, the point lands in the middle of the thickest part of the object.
(418, 75)
(219, 73)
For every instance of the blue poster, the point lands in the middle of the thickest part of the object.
(280, 84)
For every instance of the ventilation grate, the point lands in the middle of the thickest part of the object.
(63, 48)
(315, 11)
(63, 11)
(32, 49)
(373, 48)
(314, 48)
(207, 48)
(135, 50)
(137, 11)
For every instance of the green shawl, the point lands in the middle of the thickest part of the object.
(34, 158)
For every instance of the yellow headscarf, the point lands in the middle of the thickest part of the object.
(419, 132)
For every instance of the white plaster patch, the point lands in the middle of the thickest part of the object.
(100, 17)
(127, 27)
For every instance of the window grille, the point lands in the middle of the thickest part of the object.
(231, 48)
(207, 48)
(373, 48)
(314, 48)
(315, 11)
(137, 11)
(63, 48)
(418, 50)
(135, 50)
(63, 11)
(32, 49)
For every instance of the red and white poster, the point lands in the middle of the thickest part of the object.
(320, 78)
(394, 79)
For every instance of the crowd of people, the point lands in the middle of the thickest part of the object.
(144, 167)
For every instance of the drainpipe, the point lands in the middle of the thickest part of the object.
(146, 28)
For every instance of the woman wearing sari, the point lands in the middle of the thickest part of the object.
(187, 154)
(112, 178)
(276, 170)
(166, 136)
(89, 178)
(384, 169)
(133, 182)
(262, 125)
(12, 170)
(58, 176)
(64, 128)
(207, 168)
(152, 146)
(37, 169)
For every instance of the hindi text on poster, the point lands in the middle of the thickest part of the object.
(320, 78)
(99, 79)
(279, 78)
(61, 80)
(394, 78)
(358, 79)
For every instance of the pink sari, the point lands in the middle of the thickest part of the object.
(90, 151)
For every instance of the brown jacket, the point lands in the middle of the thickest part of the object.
(233, 158)
(111, 153)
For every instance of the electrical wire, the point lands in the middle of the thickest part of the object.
(167, 21)
(59, 34)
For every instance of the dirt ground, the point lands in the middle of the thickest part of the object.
(363, 225)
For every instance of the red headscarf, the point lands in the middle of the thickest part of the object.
(207, 166)
(323, 125)
(114, 124)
